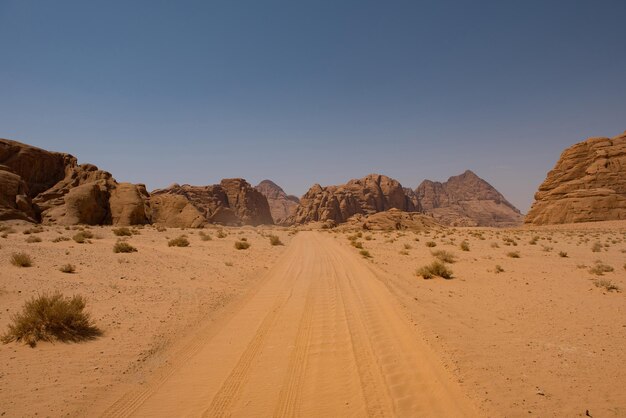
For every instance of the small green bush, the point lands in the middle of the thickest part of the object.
(52, 317)
(123, 247)
(181, 241)
(242, 245)
(275, 240)
(21, 260)
(436, 268)
(444, 256)
(365, 254)
(122, 232)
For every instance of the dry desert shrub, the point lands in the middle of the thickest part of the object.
(181, 241)
(221, 234)
(82, 237)
(204, 236)
(21, 260)
(52, 317)
(600, 268)
(60, 239)
(122, 232)
(444, 256)
(275, 240)
(498, 269)
(562, 254)
(513, 254)
(431, 244)
(123, 247)
(242, 245)
(356, 244)
(68, 268)
(435, 269)
(365, 254)
(161, 229)
(33, 230)
(31, 239)
(465, 246)
(596, 248)
(607, 284)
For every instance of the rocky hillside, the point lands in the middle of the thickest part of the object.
(370, 194)
(38, 185)
(588, 183)
(466, 200)
(232, 202)
(282, 205)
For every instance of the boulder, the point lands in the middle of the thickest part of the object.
(466, 200)
(232, 202)
(371, 194)
(282, 205)
(588, 183)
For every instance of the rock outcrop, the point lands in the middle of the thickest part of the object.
(282, 205)
(53, 188)
(466, 200)
(368, 195)
(232, 202)
(587, 184)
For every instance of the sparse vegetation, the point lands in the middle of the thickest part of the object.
(498, 269)
(122, 232)
(123, 247)
(562, 254)
(21, 260)
(444, 256)
(600, 268)
(221, 234)
(465, 246)
(68, 268)
(204, 236)
(435, 269)
(228, 263)
(181, 241)
(82, 237)
(597, 247)
(275, 240)
(431, 244)
(242, 245)
(356, 244)
(513, 254)
(31, 239)
(60, 239)
(365, 254)
(52, 317)
(608, 285)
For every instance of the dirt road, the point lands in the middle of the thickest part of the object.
(321, 337)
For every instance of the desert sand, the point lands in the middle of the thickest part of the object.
(314, 328)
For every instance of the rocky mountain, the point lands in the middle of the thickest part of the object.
(282, 205)
(587, 184)
(466, 200)
(370, 194)
(232, 202)
(38, 185)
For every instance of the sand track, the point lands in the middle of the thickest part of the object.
(321, 337)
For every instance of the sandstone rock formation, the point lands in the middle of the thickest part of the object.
(232, 202)
(282, 205)
(392, 219)
(587, 184)
(53, 187)
(466, 200)
(370, 194)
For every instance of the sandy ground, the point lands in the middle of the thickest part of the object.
(312, 328)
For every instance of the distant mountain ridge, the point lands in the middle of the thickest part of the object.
(50, 187)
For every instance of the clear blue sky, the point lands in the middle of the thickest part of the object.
(305, 92)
